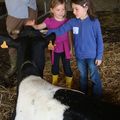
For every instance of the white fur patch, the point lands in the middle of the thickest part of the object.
(35, 101)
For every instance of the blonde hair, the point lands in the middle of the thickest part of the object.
(54, 3)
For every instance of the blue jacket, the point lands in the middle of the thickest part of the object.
(88, 42)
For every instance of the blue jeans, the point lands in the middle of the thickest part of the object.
(65, 62)
(85, 66)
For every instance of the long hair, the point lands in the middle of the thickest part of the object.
(84, 3)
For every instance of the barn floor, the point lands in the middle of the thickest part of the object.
(110, 68)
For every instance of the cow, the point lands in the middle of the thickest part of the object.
(30, 46)
(38, 99)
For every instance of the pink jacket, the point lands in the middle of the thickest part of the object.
(62, 42)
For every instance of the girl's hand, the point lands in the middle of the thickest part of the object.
(98, 62)
(51, 46)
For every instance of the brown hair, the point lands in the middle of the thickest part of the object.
(84, 3)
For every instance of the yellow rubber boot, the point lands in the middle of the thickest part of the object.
(68, 82)
(54, 79)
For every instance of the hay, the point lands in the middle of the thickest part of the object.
(110, 72)
(7, 102)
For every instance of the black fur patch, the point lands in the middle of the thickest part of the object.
(82, 107)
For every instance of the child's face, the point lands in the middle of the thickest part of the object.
(79, 11)
(59, 11)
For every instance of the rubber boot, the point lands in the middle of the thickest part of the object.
(54, 79)
(13, 59)
(68, 82)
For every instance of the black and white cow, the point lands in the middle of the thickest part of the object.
(39, 100)
(30, 46)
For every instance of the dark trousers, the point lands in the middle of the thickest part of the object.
(65, 62)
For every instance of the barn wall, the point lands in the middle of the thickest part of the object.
(107, 5)
(100, 5)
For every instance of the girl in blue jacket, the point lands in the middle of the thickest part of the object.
(88, 43)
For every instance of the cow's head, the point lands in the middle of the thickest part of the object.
(29, 44)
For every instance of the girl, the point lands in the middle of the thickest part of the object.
(62, 47)
(88, 43)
